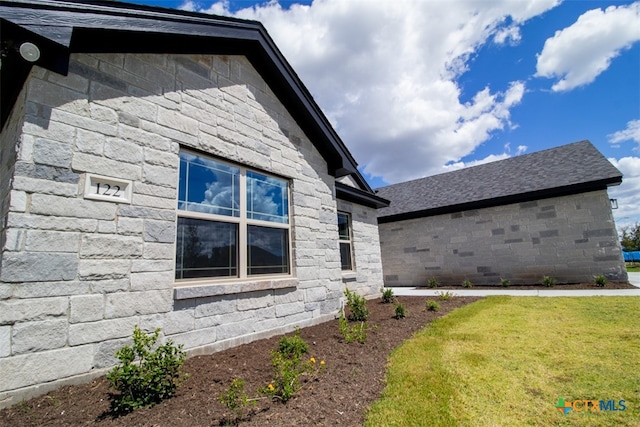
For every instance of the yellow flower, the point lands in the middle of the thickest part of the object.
(271, 387)
(322, 362)
(313, 360)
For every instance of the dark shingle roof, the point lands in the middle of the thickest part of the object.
(569, 169)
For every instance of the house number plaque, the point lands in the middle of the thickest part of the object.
(99, 187)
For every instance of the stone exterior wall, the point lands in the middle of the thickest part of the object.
(78, 274)
(569, 238)
(366, 250)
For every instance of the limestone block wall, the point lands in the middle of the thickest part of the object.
(569, 238)
(367, 278)
(78, 274)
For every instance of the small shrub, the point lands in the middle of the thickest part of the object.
(387, 296)
(548, 281)
(600, 280)
(145, 376)
(505, 283)
(432, 305)
(357, 306)
(236, 400)
(432, 283)
(401, 312)
(293, 347)
(289, 366)
(350, 333)
(446, 295)
(467, 284)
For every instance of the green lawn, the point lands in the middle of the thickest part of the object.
(505, 361)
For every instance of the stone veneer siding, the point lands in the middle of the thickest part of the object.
(78, 274)
(569, 238)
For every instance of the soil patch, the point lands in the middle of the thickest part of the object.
(352, 380)
(557, 287)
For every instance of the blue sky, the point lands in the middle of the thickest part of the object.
(420, 87)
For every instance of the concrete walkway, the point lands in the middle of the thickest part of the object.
(634, 279)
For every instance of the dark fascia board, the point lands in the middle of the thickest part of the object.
(506, 200)
(355, 195)
(138, 29)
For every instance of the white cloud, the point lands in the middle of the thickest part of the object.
(385, 73)
(630, 133)
(579, 53)
(627, 193)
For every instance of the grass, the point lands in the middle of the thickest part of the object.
(505, 361)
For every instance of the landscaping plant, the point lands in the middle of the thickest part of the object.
(387, 296)
(445, 295)
(467, 284)
(358, 311)
(432, 283)
(600, 280)
(289, 365)
(401, 312)
(356, 332)
(505, 283)
(236, 400)
(145, 376)
(548, 281)
(432, 305)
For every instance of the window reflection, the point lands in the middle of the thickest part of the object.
(267, 250)
(206, 249)
(267, 198)
(208, 186)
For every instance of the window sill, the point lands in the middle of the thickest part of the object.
(349, 276)
(209, 290)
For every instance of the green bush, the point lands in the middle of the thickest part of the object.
(288, 366)
(466, 284)
(401, 312)
(145, 376)
(446, 295)
(505, 283)
(387, 296)
(548, 281)
(350, 333)
(432, 283)
(236, 400)
(432, 305)
(358, 311)
(293, 347)
(600, 280)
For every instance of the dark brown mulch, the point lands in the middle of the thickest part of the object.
(352, 380)
(557, 287)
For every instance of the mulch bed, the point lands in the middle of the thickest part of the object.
(557, 287)
(352, 380)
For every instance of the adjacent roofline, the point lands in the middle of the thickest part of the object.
(60, 28)
(505, 200)
(355, 195)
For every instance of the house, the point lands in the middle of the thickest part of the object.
(167, 169)
(522, 218)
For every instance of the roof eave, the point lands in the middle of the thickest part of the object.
(505, 200)
(355, 195)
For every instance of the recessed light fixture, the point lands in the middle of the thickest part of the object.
(29, 52)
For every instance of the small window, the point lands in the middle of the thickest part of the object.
(344, 233)
(232, 222)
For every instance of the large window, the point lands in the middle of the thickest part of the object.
(344, 232)
(232, 221)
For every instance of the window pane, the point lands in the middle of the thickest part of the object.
(208, 186)
(267, 198)
(267, 250)
(206, 249)
(344, 228)
(345, 256)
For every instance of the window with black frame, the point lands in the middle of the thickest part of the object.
(345, 237)
(233, 222)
